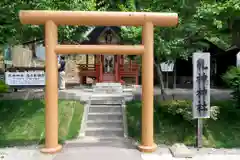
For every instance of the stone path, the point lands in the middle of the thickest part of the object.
(23, 153)
(116, 151)
(84, 94)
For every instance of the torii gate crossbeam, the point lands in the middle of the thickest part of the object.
(51, 19)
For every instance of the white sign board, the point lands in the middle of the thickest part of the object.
(201, 85)
(238, 59)
(167, 66)
(30, 78)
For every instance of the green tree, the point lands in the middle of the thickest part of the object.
(221, 19)
(198, 21)
(169, 43)
(232, 79)
(12, 31)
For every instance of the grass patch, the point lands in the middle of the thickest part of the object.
(22, 121)
(171, 124)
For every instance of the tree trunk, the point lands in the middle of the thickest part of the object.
(174, 76)
(160, 77)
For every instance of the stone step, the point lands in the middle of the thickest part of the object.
(108, 89)
(92, 139)
(106, 92)
(117, 142)
(112, 96)
(105, 124)
(88, 89)
(108, 84)
(112, 86)
(104, 132)
(105, 116)
(128, 89)
(106, 102)
(104, 108)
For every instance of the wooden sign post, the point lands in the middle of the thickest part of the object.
(201, 91)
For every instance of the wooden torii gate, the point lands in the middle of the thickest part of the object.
(51, 19)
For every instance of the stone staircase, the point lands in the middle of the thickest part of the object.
(105, 115)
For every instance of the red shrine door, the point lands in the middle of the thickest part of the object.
(108, 68)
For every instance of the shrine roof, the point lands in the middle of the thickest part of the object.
(94, 32)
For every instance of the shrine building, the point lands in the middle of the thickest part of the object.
(106, 68)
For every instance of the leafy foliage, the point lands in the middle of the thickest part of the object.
(198, 21)
(219, 18)
(232, 79)
(174, 42)
(184, 109)
(12, 31)
(180, 107)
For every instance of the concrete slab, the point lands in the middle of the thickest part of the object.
(23, 153)
(179, 150)
(154, 156)
(112, 150)
(99, 151)
(216, 157)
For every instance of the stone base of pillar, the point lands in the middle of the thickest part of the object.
(51, 150)
(148, 149)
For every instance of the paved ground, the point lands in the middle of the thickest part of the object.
(114, 151)
(186, 94)
(83, 94)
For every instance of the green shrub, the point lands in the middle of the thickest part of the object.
(3, 87)
(181, 108)
(232, 79)
(184, 108)
(178, 107)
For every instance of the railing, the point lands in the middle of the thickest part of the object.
(130, 68)
(86, 67)
(89, 70)
(121, 70)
